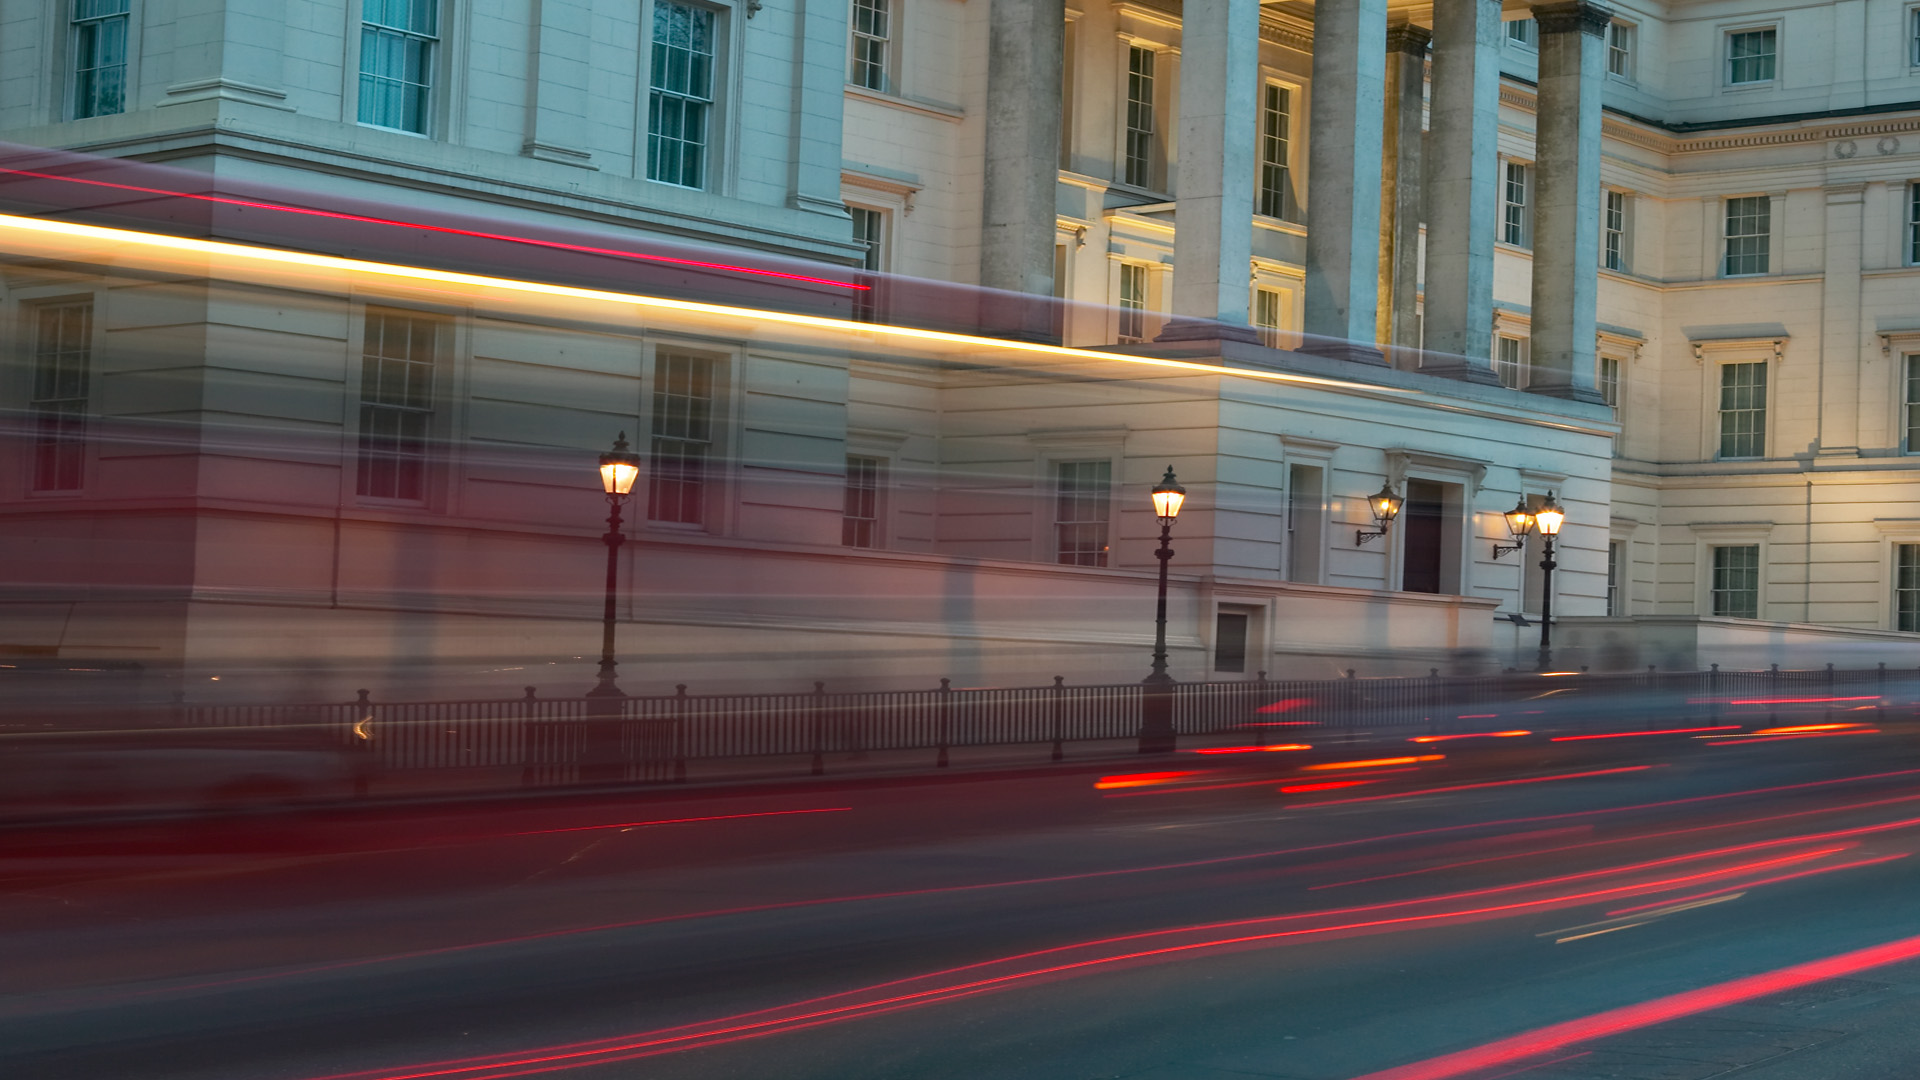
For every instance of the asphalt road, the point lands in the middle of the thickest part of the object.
(1663, 909)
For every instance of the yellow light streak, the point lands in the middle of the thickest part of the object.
(286, 257)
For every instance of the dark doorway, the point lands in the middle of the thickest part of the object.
(1423, 536)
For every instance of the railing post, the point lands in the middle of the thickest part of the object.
(1058, 709)
(679, 734)
(1350, 691)
(530, 732)
(1880, 693)
(1713, 693)
(819, 719)
(943, 715)
(1773, 694)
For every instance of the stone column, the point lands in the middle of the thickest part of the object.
(1403, 200)
(1840, 353)
(557, 82)
(1025, 39)
(1566, 217)
(1219, 99)
(1463, 190)
(1343, 178)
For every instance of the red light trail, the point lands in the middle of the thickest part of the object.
(681, 821)
(1631, 734)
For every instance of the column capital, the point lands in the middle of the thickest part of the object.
(1582, 16)
(1407, 38)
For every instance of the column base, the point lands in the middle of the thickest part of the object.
(1569, 393)
(1461, 369)
(1335, 349)
(1179, 328)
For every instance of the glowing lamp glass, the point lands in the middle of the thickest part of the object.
(1168, 496)
(1550, 517)
(1520, 520)
(1386, 505)
(619, 468)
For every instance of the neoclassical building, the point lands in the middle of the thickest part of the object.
(1656, 259)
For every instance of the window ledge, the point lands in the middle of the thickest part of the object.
(895, 101)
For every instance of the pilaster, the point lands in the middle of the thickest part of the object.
(229, 50)
(557, 89)
(1841, 359)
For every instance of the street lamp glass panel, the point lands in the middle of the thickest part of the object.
(1386, 505)
(1168, 495)
(619, 468)
(1550, 516)
(1520, 520)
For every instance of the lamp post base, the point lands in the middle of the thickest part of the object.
(1156, 715)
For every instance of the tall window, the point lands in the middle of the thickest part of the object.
(1749, 235)
(869, 231)
(396, 405)
(860, 521)
(1510, 361)
(1268, 308)
(682, 437)
(62, 370)
(1913, 37)
(1736, 581)
(1607, 376)
(1615, 208)
(1133, 303)
(1913, 217)
(1276, 141)
(1616, 570)
(397, 40)
(1517, 179)
(99, 34)
(1139, 150)
(1750, 55)
(871, 35)
(1523, 32)
(679, 111)
(1912, 444)
(1620, 49)
(1082, 490)
(1906, 587)
(1743, 410)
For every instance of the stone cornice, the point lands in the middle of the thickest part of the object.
(1638, 133)
(1580, 16)
(1290, 33)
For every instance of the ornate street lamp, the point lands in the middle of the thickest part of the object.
(1385, 505)
(1548, 520)
(1156, 703)
(1519, 526)
(619, 468)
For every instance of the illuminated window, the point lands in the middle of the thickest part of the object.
(397, 42)
(1276, 144)
(1133, 303)
(682, 438)
(1750, 56)
(1510, 361)
(99, 33)
(860, 521)
(1082, 492)
(1616, 211)
(872, 34)
(62, 373)
(1906, 587)
(1139, 150)
(1607, 376)
(1912, 443)
(1516, 219)
(1749, 235)
(679, 110)
(396, 405)
(1736, 581)
(870, 232)
(1269, 306)
(1620, 37)
(1743, 410)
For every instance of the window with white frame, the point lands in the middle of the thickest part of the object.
(1750, 56)
(860, 519)
(1616, 574)
(1516, 218)
(1082, 501)
(1620, 39)
(62, 376)
(1276, 144)
(1749, 235)
(1510, 361)
(680, 102)
(99, 35)
(1743, 410)
(872, 37)
(1138, 166)
(1913, 37)
(683, 443)
(1913, 223)
(397, 361)
(398, 39)
(1736, 581)
(870, 232)
(1269, 307)
(1616, 214)
(1607, 378)
(1133, 303)
(1911, 405)
(1906, 587)
(1523, 32)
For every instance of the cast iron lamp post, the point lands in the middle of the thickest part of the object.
(619, 468)
(1548, 519)
(1156, 703)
